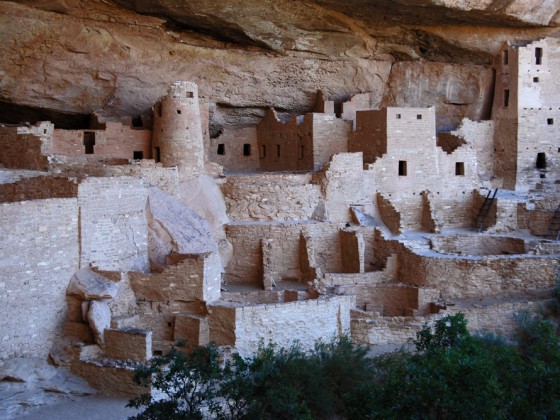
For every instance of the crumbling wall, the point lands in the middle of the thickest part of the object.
(370, 136)
(113, 224)
(187, 277)
(342, 185)
(246, 263)
(39, 253)
(22, 151)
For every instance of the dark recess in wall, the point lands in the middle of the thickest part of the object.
(18, 114)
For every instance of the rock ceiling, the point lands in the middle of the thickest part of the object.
(63, 59)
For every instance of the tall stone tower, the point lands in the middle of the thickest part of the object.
(177, 133)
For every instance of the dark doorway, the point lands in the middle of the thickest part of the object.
(157, 154)
(89, 142)
(138, 155)
(541, 160)
(246, 149)
(402, 168)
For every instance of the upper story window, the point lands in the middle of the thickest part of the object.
(505, 57)
(538, 56)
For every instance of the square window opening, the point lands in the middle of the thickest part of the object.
(221, 149)
(419, 116)
(178, 111)
(398, 116)
(460, 168)
(189, 94)
(138, 154)
(402, 168)
(550, 121)
(535, 79)
(246, 149)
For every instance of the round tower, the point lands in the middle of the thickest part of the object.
(177, 134)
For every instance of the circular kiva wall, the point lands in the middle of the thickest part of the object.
(478, 245)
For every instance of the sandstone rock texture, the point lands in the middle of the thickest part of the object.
(73, 57)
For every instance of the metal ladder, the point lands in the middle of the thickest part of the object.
(485, 209)
(553, 231)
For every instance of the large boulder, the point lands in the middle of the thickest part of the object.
(89, 285)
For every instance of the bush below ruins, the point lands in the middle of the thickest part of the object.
(451, 374)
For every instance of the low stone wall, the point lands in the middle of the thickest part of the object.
(284, 324)
(478, 245)
(38, 256)
(464, 277)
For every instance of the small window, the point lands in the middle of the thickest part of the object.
(190, 95)
(262, 152)
(277, 150)
(178, 111)
(45, 131)
(246, 149)
(506, 98)
(535, 79)
(137, 155)
(398, 116)
(402, 167)
(538, 56)
(301, 150)
(221, 149)
(541, 160)
(460, 168)
(89, 142)
(505, 56)
(550, 121)
(419, 116)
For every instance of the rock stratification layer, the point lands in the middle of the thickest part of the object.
(118, 57)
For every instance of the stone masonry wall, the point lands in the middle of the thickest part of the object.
(330, 136)
(113, 224)
(286, 323)
(236, 150)
(37, 188)
(478, 276)
(270, 197)
(22, 151)
(39, 253)
(117, 141)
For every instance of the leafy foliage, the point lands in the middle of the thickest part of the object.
(450, 375)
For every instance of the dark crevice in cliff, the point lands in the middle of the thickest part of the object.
(19, 114)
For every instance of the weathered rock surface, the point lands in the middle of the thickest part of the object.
(118, 58)
(88, 285)
(99, 318)
(175, 228)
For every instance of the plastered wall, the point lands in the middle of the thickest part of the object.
(39, 253)
(113, 224)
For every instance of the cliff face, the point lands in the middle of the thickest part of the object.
(118, 57)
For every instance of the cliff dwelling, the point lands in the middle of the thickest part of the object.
(354, 216)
